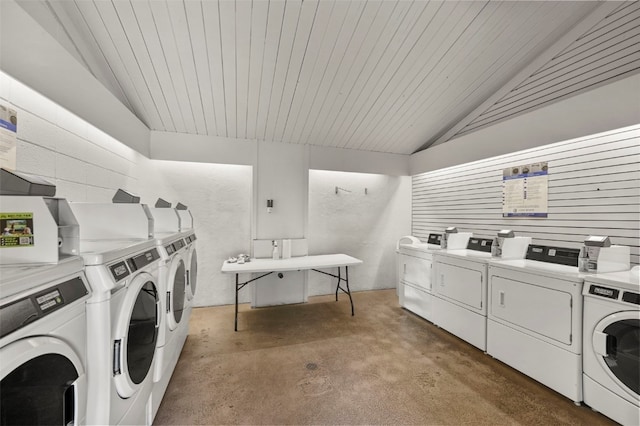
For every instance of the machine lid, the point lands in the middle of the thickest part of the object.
(616, 340)
(20, 279)
(16, 183)
(554, 270)
(624, 280)
(102, 252)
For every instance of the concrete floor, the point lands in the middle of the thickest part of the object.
(315, 364)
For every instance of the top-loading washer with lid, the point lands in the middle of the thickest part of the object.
(415, 270)
(460, 286)
(535, 317)
(611, 344)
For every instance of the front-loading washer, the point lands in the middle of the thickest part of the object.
(188, 231)
(43, 331)
(123, 318)
(535, 317)
(611, 341)
(191, 259)
(173, 288)
(460, 291)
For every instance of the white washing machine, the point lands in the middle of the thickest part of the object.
(188, 231)
(173, 288)
(43, 332)
(535, 317)
(460, 291)
(414, 274)
(123, 317)
(611, 339)
(192, 269)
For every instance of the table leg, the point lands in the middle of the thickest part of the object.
(236, 319)
(346, 273)
(338, 286)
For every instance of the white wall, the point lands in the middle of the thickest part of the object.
(219, 197)
(594, 189)
(31, 55)
(85, 163)
(607, 107)
(365, 226)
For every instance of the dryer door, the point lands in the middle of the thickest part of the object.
(616, 342)
(192, 274)
(176, 291)
(43, 382)
(136, 334)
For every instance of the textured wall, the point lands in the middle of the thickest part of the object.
(363, 226)
(88, 165)
(219, 198)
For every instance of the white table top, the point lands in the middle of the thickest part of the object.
(292, 264)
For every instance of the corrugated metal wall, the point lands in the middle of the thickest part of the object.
(607, 52)
(594, 189)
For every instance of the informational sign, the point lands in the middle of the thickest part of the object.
(17, 230)
(525, 190)
(8, 136)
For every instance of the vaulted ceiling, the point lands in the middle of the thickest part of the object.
(387, 76)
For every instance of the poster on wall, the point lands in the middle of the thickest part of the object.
(17, 229)
(525, 190)
(8, 136)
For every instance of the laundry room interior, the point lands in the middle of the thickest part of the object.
(353, 175)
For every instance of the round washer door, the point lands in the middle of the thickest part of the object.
(42, 382)
(176, 291)
(137, 332)
(616, 342)
(192, 274)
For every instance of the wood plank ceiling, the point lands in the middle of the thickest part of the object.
(385, 76)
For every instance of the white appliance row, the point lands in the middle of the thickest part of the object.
(528, 313)
(94, 314)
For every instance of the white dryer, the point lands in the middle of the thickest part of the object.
(43, 332)
(611, 339)
(173, 288)
(460, 291)
(192, 269)
(188, 231)
(123, 320)
(535, 317)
